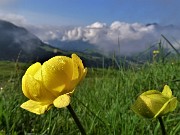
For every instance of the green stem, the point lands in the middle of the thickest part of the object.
(78, 123)
(162, 126)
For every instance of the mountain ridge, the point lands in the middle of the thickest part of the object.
(18, 43)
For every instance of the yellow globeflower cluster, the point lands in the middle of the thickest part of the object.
(51, 83)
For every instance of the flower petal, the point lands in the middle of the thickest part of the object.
(57, 73)
(75, 78)
(150, 92)
(154, 101)
(33, 68)
(167, 91)
(62, 101)
(36, 107)
(78, 72)
(79, 63)
(34, 90)
(80, 66)
(169, 106)
(141, 108)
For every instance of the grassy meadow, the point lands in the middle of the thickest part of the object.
(102, 102)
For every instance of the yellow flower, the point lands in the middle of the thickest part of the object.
(152, 103)
(51, 83)
(156, 52)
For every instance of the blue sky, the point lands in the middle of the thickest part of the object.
(84, 12)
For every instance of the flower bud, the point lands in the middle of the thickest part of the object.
(152, 103)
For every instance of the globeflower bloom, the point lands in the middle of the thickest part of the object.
(156, 52)
(51, 83)
(153, 104)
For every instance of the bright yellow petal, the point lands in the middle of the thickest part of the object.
(24, 88)
(75, 82)
(169, 106)
(167, 91)
(33, 68)
(79, 63)
(36, 107)
(38, 75)
(78, 60)
(142, 109)
(154, 101)
(57, 73)
(75, 78)
(62, 101)
(78, 72)
(34, 90)
(78, 66)
(150, 92)
(61, 63)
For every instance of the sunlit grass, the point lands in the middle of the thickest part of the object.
(102, 102)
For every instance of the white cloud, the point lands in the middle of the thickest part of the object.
(106, 36)
(133, 37)
(46, 33)
(96, 25)
(14, 18)
(100, 31)
(74, 34)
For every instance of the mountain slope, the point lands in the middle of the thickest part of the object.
(17, 42)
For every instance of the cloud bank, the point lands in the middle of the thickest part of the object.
(120, 37)
(14, 18)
